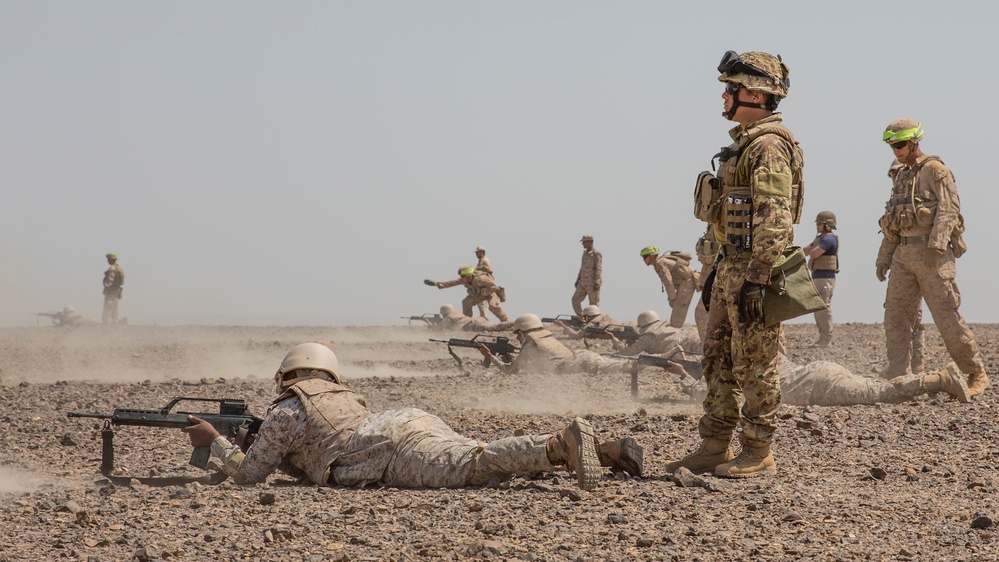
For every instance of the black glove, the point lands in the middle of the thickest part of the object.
(429, 282)
(751, 302)
(709, 283)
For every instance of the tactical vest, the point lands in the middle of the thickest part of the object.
(332, 414)
(826, 261)
(912, 213)
(729, 202)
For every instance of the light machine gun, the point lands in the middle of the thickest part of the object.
(497, 345)
(232, 420)
(690, 361)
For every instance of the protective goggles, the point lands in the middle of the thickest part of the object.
(732, 64)
(892, 137)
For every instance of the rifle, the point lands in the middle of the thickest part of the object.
(232, 420)
(56, 317)
(433, 320)
(567, 319)
(689, 360)
(627, 334)
(497, 345)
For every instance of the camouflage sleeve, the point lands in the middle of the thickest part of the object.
(598, 268)
(770, 180)
(948, 206)
(642, 345)
(282, 431)
(886, 251)
(452, 283)
(662, 268)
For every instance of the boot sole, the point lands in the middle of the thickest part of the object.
(631, 456)
(768, 471)
(587, 462)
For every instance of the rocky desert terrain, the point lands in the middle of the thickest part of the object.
(914, 481)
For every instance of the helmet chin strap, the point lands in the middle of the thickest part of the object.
(736, 104)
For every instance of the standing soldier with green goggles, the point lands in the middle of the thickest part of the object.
(751, 205)
(922, 228)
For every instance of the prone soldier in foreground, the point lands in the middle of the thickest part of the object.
(319, 428)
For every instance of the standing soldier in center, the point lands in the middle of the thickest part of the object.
(922, 228)
(677, 278)
(114, 281)
(485, 266)
(823, 261)
(707, 251)
(752, 205)
(590, 276)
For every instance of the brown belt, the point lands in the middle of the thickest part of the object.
(906, 240)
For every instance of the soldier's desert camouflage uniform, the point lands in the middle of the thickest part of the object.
(458, 321)
(598, 321)
(910, 230)
(114, 281)
(706, 250)
(824, 383)
(588, 280)
(740, 358)
(679, 281)
(323, 430)
(659, 338)
(481, 288)
(540, 353)
(591, 362)
(485, 266)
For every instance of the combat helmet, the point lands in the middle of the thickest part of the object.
(904, 129)
(647, 317)
(758, 72)
(527, 322)
(591, 310)
(826, 218)
(309, 357)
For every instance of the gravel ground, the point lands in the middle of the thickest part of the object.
(914, 481)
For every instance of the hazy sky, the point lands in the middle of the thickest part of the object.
(313, 162)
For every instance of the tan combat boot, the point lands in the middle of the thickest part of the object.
(751, 462)
(712, 452)
(977, 383)
(949, 380)
(575, 447)
(622, 454)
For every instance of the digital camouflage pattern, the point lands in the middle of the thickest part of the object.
(917, 225)
(485, 266)
(403, 448)
(824, 383)
(481, 288)
(678, 281)
(588, 281)
(659, 338)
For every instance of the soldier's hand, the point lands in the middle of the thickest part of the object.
(751, 301)
(882, 271)
(485, 352)
(429, 282)
(560, 324)
(201, 432)
(932, 257)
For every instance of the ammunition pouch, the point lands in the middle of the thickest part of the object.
(790, 292)
(707, 197)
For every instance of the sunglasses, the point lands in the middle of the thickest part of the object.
(899, 145)
(731, 88)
